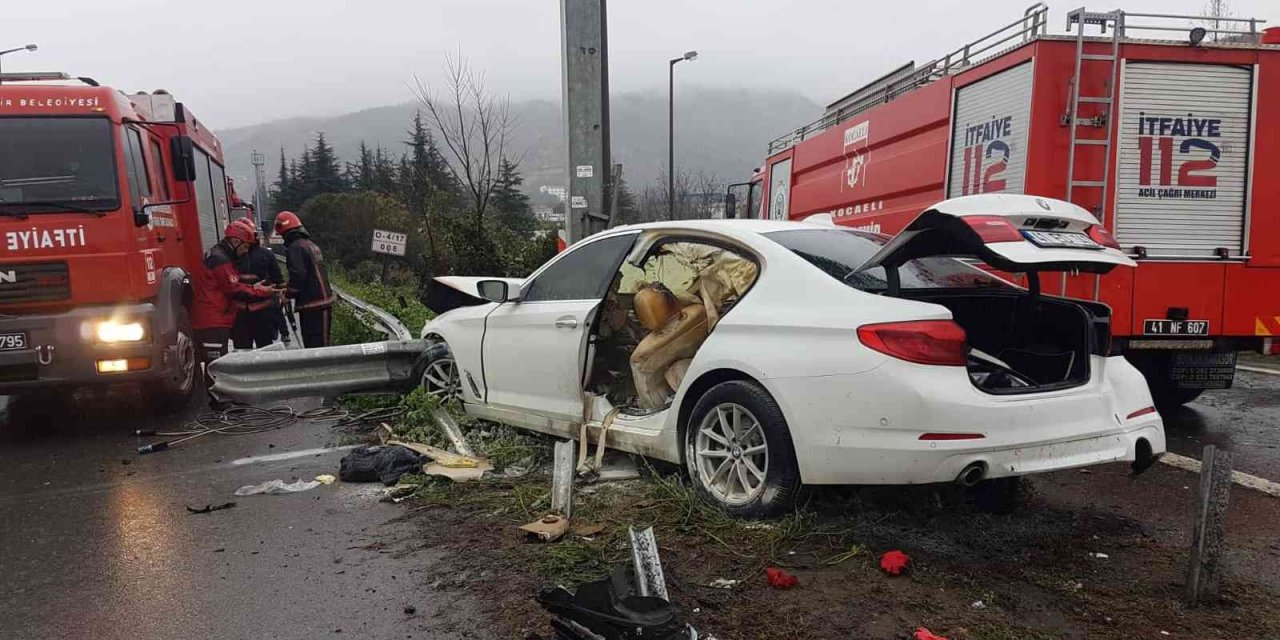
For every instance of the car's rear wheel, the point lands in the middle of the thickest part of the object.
(738, 451)
(440, 374)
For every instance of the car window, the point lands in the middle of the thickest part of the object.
(583, 273)
(839, 251)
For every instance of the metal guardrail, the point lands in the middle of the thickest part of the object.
(389, 324)
(273, 374)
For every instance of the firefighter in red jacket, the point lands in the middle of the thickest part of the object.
(218, 293)
(308, 283)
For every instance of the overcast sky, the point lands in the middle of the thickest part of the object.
(237, 62)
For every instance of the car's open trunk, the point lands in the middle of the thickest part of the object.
(1021, 342)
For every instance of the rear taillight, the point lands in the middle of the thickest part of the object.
(1140, 412)
(939, 342)
(1103, 237)
(993, 229)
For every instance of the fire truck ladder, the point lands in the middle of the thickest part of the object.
(1106, 119)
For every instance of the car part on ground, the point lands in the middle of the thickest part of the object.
(383, 464)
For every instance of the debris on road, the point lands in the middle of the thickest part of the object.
(456, 467)
(398, 492)
(1100, 556)
(925, 634)
(548, 528)
(612, 608)
(855, 550)
(648, 567)
(325, 478)
(210, 508)
(978, 604)
(893, 562)
(780, 579)
(458, 474)
(722, 583)
(587, 530)
(562, 478)
(277, 487)
(383, 464)
(451, 431)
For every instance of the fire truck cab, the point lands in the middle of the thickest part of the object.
(1164, 127)
(107, 201)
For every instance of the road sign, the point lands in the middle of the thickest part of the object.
(389, 242)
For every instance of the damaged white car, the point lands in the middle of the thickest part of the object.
(767, 355)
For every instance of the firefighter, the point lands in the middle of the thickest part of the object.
(308, 283)
(217, 292)
(258, 322)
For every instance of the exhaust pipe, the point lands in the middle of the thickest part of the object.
(972, 474)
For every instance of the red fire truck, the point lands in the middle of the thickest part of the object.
(1172, 141)
(106, 202)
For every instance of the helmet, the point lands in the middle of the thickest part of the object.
(239, 231)
(247, 223)
(287, 221)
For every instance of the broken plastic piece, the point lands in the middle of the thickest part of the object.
(458, 474)
(325, 478)
(548, 528)
(610, 608)
(210, 508)
(925, 634)
(780, 579)
(276, 487)
(722, 583)
(440, 456)
(893, 562)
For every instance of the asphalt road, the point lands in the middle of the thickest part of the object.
(97, 542)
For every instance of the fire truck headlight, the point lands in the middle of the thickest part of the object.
(121, 331)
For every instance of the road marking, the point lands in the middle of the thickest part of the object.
(276, 457)
(1239, 477)
(1274, 372)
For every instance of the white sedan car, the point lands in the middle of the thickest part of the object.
(766, 355)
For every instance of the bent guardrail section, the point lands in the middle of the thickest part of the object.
(267, 375)
(390, 324)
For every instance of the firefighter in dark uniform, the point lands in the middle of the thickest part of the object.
(308, 283)
(258, 322)
(218, 292)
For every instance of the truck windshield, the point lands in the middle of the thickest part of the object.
(839, 252)
(50, 164)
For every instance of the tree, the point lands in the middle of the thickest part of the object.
(510, 203)
(628, 211)
(697, 195)
(362, 177)
(343, 224)
(325, 172)
(1213, 13)
(474, 127)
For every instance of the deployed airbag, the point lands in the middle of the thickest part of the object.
(679, 339)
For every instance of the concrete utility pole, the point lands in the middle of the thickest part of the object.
(585, 62)
(260, 190)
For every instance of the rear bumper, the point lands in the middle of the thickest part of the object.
(865, 428)
(62, 352)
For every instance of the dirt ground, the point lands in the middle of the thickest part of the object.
(1029, 574)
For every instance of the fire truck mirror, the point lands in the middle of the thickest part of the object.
(730, 205)
(141, 217)
(184, 159)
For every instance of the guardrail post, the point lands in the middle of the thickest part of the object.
(1204, 571)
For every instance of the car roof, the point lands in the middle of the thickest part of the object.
(719, 226)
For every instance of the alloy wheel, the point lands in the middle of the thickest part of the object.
(731, 454)
(441, 380)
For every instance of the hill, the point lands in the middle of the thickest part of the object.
(723, 132)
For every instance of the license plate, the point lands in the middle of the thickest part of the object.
(1060, 239)
(1175, 327)
(15, 341)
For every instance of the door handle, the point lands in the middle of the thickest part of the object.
(566, 322)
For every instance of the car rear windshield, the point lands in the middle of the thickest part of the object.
(57, 164)
(839, 252)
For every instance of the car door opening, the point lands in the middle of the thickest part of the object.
(657, 313)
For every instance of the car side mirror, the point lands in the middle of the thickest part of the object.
(493, 290)
(184, 158)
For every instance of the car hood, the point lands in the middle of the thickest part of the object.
(1004, 230)
(444, 293)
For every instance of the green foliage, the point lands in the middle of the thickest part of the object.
(400, 300)
(317, 171)
(348, 329)
(343, 223)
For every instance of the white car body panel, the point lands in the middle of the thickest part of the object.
(855, 414)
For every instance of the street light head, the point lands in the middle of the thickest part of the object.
(32, 47)
(690, 55)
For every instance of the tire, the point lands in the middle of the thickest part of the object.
(1156, 368)
(761, 478)
(438, 373)
(172, 393)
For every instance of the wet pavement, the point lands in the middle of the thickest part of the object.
(1244, 420)
(96, 541)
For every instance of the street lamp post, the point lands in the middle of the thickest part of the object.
(30, 47)
(671, 132)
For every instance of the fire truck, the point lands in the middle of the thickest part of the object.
(107, 201)
(1167, 128)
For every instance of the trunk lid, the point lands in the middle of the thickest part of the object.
(1014, 233)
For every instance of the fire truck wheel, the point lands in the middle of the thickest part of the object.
(173, 392)
(1170, 397)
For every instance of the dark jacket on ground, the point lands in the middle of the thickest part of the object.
(308, 282)
(217, 288)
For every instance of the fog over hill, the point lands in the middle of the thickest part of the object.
(724, 132)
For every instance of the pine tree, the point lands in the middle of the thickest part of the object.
(362, 174)
(509, 202)
(628, 209)
(326, 176)
(385, 177)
